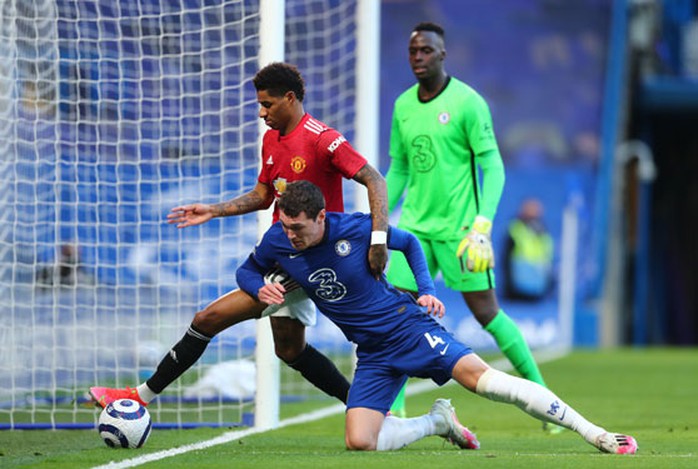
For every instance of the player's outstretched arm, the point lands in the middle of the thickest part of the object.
(410, 246)
(258, 198)
(377, 199)
(412, 249)
(190, 215)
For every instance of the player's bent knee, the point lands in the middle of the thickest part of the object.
(468, 370)
(289, 352)
(212, 320)
(289, 338)
(227, 311)
(485, 317)
(207, 322)
(359, 443)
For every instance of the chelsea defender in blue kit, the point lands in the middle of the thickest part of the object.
(396, 336)
(393, 334)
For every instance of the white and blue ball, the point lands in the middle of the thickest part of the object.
(124, 423)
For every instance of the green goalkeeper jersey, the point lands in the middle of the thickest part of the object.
(436, 148)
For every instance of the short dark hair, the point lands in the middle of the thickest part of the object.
(278, 78)
(302, 196)
(429, 26)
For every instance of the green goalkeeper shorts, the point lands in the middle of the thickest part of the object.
(441, 257)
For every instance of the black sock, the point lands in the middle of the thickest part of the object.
(321, 372)
(179, 359)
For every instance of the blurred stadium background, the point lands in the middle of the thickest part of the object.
(114, 112)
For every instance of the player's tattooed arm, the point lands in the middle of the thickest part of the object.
(258, 198)
(378, 202)
(195, 214)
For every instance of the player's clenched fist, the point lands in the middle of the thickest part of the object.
(476, 247)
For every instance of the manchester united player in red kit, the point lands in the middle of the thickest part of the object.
(296, 147)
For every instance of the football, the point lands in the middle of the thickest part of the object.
(124, 424)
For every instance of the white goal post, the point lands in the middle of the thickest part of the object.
(111, 113)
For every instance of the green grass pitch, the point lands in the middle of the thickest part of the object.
(648, 393)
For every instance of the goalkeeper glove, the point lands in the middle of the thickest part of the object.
(477, 247)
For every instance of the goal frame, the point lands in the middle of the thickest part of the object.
(272, 49)
(366, 24)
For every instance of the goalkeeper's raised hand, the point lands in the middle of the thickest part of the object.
(476, 247)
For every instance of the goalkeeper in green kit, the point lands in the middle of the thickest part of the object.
(441, 137)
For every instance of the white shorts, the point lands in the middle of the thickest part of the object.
(296, 303)
(297, 306)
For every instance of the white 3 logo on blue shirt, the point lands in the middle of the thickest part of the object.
(330, 288)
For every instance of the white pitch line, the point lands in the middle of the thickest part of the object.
(414, 388)
(222, 439)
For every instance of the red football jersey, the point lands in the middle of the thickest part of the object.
(311, 152)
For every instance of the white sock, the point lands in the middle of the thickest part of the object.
(397, 433)
(536, 401)
(145, 393)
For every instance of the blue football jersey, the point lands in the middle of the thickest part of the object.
(335, 274)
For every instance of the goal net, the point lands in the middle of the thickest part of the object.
(112, 113)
